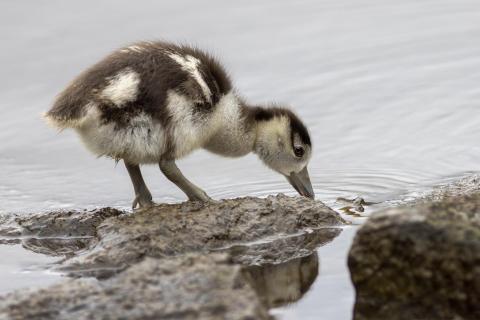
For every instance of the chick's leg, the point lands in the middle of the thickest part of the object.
(171, 171)
(143, 197)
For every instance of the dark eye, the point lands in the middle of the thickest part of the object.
(299, 151)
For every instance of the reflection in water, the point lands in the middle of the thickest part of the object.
(280, 284)
(284, 268)
(8, 241)
(66, 247)
(282, 248)
(54, 247)
(331, 296)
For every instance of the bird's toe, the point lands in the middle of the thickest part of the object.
(142, 201)
(200, 196)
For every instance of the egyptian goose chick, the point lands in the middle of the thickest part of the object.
(156, 102)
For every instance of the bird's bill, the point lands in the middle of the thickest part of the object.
(301, 182)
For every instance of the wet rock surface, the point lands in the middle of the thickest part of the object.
(187, 287)
(420, 262)
(172, 229)
(57, 224)
(219, 260)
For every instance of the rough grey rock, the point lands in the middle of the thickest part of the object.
(63, 223)
(168, 262)
(419, 262)
(172, 229)
(467, 185)
(187, 287)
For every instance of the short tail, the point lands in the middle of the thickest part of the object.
(54, 122)
(61, 123)
(70, 108)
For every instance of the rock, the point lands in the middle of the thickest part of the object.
(467, 185)
(170, 261)
(60, 233)
(172, 229)
(187, 287)
(8, 227)
(65, 223)
(420, 262)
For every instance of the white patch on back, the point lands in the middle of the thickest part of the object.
(141, 141)
(122, 88)
(190, 64)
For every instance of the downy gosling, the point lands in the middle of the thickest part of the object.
(156, 102)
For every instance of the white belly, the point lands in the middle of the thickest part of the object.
(142, 141)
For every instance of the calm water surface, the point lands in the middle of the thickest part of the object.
(389, 90)
(23, 269)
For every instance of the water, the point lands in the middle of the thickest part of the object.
(389, 90)
(27, 269)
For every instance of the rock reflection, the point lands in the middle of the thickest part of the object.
(66, 247)
(280, 284)
(9, 241)
(283, 248)
(282, 270)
